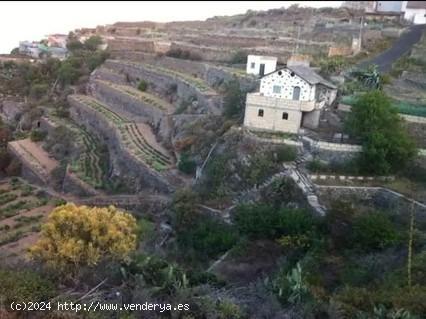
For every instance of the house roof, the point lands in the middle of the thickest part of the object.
(416, 5)
(307, 74)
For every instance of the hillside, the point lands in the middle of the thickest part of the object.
(128, 176)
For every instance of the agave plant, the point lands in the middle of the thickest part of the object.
(369, 77)
(380, 312)
(298, 288)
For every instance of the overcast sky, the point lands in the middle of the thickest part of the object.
(33, 20)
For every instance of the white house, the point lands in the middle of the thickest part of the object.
(57, 40)
(415, 11)
(288, 98)
(261, 65)
(30, 48)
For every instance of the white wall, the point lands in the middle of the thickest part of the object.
(254, 61)
(389, 6)
(272, 118)
(417, 16)
(287, 82)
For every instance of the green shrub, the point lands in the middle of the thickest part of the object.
(238, 57)
(233, 100)
(24, 286)
(37, 91)
(260, 166)
(142, 86)
(386, 145)
(208, 238)
(37, 135)
(186, 165)
(93, 42)
(374, 231)
(264, 221)
(285, 153)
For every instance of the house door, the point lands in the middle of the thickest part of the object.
(296, 93)
(262, 69)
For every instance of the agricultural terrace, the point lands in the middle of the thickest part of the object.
(91, 165)
(130, 133)
(143, 97)
(22, 209)
(198, 83)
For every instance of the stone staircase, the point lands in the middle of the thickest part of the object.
(292, 171)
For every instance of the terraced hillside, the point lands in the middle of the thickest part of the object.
(36, 161)
(191, 81)
(22, 208)
(168, 83)
(130, 134)
(91, 163)
(143, 97)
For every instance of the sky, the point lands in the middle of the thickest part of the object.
(33, 20)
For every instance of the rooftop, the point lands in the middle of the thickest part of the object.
(308, 74)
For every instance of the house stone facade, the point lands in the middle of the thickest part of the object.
(288, 99)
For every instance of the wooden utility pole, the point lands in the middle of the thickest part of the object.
(410, 247)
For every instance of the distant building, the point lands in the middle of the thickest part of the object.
(388, 6)
(57, 40)
(415, 11)
(39, 50)
(368, 6)
(288, 98)
(260, 65)
(30, 49)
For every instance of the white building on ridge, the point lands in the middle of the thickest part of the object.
(288, 98)
(261, 65)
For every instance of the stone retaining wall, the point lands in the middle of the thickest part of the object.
(30, 169)
(119, 101)
(132, 171)
(163, 84)
(315, 177)
(74, 185)
(414, 119)
(379, 198)
(210, 73)
(108, 75)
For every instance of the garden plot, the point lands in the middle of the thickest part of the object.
(132, 135)
(190, 80)
(22, 209)
(91, 165)
(143, 97)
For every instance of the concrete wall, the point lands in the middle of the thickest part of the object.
(311, 119)
(272, 118)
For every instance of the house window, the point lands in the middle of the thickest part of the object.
(260, 113)
(253, 65)
(285, 116)
(276, 89)
(296, 93)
